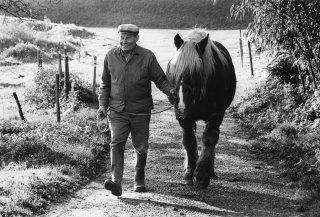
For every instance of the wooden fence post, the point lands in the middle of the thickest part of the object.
(65, 48)
(66, 77)
(241, 49)
(57, 97)
(19, 106)
(39, 57)
(59, 65)
(80, 49)
(94, 78)
(250, 56)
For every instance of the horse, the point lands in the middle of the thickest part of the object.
(204, 81)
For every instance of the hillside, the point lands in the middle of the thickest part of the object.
(146, 13)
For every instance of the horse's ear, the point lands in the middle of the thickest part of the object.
(178, 41)
(201, 46)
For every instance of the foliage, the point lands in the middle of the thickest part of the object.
(283, 69)
(146, 13)
(286, 26)
(43, 92)
(25, 8)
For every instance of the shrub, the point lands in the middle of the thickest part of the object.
(42, 93)
(21, 51)
(282, 68)
(289, 26)
(22, 39)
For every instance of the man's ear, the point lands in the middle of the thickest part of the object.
(137, 38)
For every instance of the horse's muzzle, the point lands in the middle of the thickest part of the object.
(180, 114)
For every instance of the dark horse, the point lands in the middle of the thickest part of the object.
(204, 79)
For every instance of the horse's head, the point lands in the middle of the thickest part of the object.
(185, 72)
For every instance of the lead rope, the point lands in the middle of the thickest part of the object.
(102, 123)
(142, 114)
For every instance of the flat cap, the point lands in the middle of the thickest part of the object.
(128, 28)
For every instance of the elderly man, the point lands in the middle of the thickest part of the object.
(125, 91)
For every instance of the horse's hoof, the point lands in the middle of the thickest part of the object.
(202, 184)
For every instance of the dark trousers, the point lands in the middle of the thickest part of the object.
(121, 124)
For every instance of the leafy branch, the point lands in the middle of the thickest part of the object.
(286, 26)
(24, 8)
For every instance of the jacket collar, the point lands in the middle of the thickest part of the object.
(136, 51)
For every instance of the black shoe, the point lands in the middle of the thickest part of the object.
(115, 188)
(140, 189)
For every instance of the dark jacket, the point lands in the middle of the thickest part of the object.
(126, 86)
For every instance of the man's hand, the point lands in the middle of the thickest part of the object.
(172, 97)
(102, 112)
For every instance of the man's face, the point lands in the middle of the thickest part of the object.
(127, 41)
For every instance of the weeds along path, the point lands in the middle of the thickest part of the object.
(245, 187)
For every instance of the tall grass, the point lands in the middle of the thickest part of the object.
(22, 39)
(41, 162)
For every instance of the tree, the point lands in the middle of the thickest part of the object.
(289, 27)
(25, 8)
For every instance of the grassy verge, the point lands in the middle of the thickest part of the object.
(43, 161)
(287, 122)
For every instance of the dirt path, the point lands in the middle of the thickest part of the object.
(245, 187)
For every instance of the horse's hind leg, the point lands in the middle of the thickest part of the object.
(205, 165)
(191, 156)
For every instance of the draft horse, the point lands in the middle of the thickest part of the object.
(204, 78)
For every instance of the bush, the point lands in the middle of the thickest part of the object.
(42, 93)
(22, 39)
(25, 52)
(289, 26)
(283, 69)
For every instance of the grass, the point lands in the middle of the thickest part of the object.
(21, 40)
(44, 161)
(285, 122)
(146, 13)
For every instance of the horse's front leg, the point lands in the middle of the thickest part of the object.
(205, 164)
(191, 153)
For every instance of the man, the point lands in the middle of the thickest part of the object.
(126, 90)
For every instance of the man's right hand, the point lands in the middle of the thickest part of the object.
(102, 112)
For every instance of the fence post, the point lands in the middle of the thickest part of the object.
(250, 56)
(60, 65)
(65, 48)
(80, 49)
(94, 78)
(241, 49)
(66, 77)
(19, 106)
(39, 57)
(57, 97)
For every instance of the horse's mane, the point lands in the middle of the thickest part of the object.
(187, 60)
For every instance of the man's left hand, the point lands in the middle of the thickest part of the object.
(172, 97)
